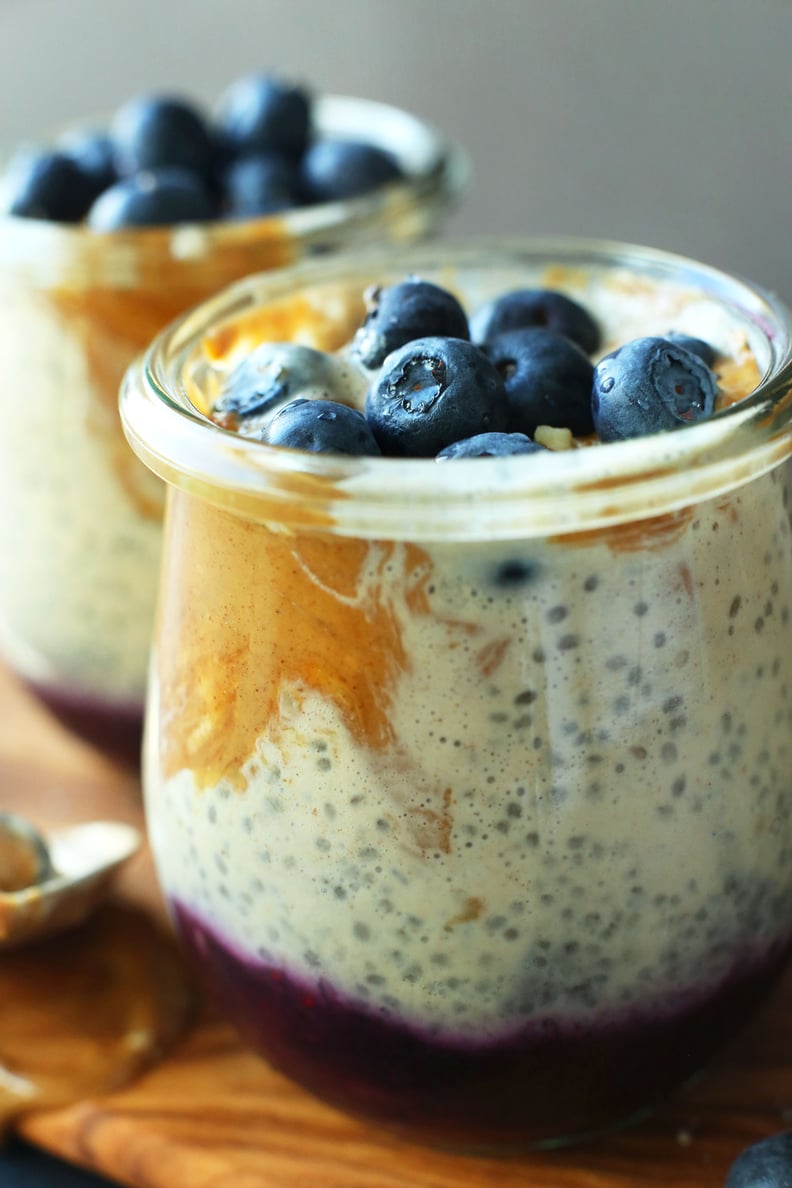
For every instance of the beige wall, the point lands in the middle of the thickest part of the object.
(667, 122)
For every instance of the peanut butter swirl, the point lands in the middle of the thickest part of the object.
(229, 641)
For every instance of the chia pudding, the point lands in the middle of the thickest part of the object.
(468, 785)
(80, 526)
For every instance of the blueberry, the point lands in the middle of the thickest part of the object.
(490, 445)
(399, 313)
(766, 1164)
(152, 132)
(323, 427)
(515, 572)
(332, 170)
(277, 372)
(262, 114)
(696, 346)
(92, 153)
(152, 198)
(543, 308)
(547, 378)
(432, 392)
(648, 386)
(46, 185)
(259, 186)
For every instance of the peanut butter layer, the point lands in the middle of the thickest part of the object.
(230, 643)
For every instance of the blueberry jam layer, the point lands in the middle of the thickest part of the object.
(550, 1080)
(116, 729)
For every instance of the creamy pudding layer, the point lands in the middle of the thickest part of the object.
(83, 528)
(540, 780)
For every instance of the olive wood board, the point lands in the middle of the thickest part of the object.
(212, 1115)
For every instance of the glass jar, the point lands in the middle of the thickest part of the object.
(468, 784)
(80, 518)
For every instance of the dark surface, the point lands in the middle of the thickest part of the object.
(22, 1166)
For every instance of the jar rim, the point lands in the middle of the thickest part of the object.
(520, 496)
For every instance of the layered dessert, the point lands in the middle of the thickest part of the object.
(476, 818)
(104, 238)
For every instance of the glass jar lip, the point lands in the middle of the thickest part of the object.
(521, 496)
(437, 171)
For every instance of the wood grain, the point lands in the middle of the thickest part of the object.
(214, 1116)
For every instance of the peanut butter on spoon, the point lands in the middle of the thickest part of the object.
(24, 857)
(58, 881)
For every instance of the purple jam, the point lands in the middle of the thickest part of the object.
(550, 1082)
(116, 728)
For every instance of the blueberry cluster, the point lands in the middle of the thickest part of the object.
(445, 387)
(164, 161)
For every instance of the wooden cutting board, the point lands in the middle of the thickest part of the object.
(213, 1116)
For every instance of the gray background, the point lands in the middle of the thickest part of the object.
(667, 123)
